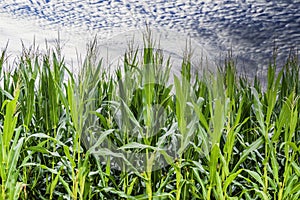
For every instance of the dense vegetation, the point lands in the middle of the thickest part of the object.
(214, 136)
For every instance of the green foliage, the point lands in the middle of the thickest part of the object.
(83, 136)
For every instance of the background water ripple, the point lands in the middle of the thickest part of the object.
(249, 27)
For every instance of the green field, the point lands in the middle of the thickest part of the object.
(130, 135)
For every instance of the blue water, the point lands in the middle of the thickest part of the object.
(251, 28)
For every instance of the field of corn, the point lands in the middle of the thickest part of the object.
(130, 135)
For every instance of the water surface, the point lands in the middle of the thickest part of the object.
(251, 28)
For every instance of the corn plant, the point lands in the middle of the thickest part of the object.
(11, 145)
(141, 132)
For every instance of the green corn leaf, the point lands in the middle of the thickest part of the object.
(100, 139)
(200, 181)
(43, 150)
(53, 184)
(10, 120)
(43, 136)
(258, 110)
(256, 176)
(296, 168)
(219, 190)
(274, 163)
(13, 160)
(70, 158)
(66, 186)
(135, 145)
(7, 94)
(119, 193)
(213, 163)
(131, 186)
(30, 102)
(293, 182)
(230, 179)
(296, 189)
(261, 194)
(247, 151)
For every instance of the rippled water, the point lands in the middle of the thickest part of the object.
(249, 27)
